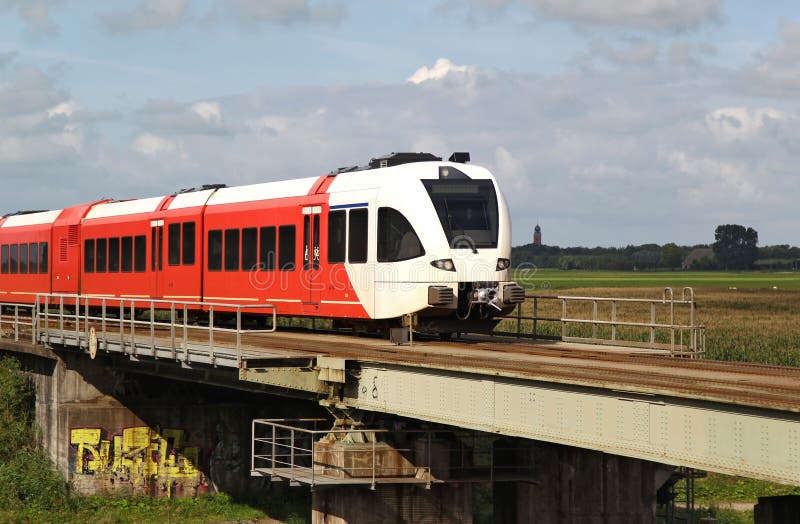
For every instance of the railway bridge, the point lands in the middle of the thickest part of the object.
(137, 395)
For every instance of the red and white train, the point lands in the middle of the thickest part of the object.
(409, 234)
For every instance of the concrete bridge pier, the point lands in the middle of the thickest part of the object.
(393, 504)
(111, 431)
(578, 486)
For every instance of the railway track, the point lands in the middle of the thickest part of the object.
(612, 368)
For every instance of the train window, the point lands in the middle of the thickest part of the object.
(4, 259)
(140, 253)
(249, 249)
(316, 254)
(88, 256)
(231, 250)
(215, 250)
(127, 254)
(101, 255)
(357, 243)
(160, 248)
(397, 240)
(113, 255)
(174, 240)
(188, 243)
(467, 211)
(23, 258)
(337, 230)
(156, 248)
(286, 248)
(13, 259)
(33, 257)
(267, 249)
(43, 257)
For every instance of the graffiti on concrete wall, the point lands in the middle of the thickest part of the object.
(140, 455)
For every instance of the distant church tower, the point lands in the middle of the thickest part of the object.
(537, 235)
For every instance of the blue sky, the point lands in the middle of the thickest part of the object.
(609, 122)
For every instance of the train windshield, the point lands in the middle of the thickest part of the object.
(467, 210)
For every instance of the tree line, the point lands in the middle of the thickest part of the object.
(735, 247)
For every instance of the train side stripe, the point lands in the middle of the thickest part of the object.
(348, 206)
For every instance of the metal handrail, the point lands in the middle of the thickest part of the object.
(16, 319)
(695, 345)
(280, 449)
(126, 328)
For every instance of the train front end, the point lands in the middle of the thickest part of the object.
(445, 229)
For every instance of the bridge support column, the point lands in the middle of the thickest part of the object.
(574, 485)
(392, 503)
(779, 509)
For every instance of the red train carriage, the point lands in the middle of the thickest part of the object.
(409, 234)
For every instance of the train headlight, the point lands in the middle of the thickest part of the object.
(502, 264)
(445, 264)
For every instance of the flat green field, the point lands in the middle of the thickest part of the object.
(543, 279)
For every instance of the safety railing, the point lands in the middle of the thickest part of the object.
(17, 321)
(299, 451)
(296, 452)
(184, 330)
(665, 329)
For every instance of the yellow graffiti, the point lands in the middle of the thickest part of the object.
(139, 454)
(92, 455)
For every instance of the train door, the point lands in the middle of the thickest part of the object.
(311, 258)
(179, 275)
(156, 255)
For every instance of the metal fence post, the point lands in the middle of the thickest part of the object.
(172, 331)
(61, 319)
(153, 330)
(239, 337)
(103, 324)
(613, 321)
(211, 333)
(273, 450)
(652, 321)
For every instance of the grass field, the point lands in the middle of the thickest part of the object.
(752, 317)
(543, 279)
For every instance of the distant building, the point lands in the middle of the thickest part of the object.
(537, 235)
(697, 255)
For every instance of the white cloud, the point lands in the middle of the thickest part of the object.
(716, 181)
(252, 13)
(200, 118)
(650, 15)
(151, 15)
(208, 111)
(441, 68)
(148, 15)
(776, 69)
(738, 123)
(269, 124)
(637, 52)
(152, 145)
(63, 109)
(509, 170)
(431, 143)
(35, 13)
